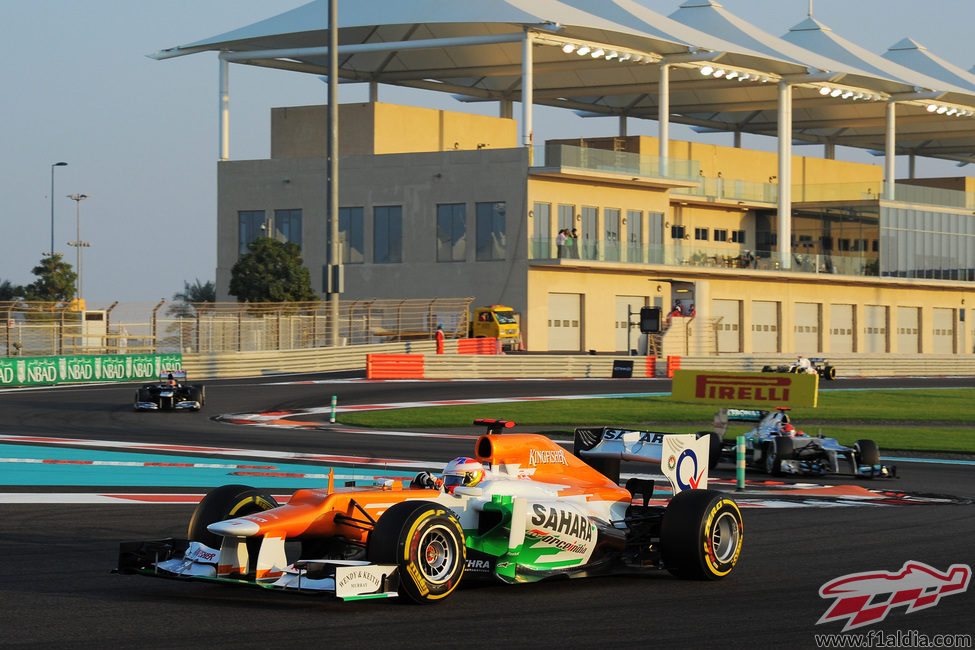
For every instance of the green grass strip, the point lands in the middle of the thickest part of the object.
(920, 420)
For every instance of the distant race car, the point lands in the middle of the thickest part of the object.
(522, 510)
(170, 394)
(817, 366)
(777, 447)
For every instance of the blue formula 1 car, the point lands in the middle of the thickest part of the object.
(171, 393)
(775, 446)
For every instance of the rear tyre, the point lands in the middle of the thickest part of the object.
(868, 453)
(222, 503)
(714, 453)
(425, 540)
(701, 535)
(829, 373)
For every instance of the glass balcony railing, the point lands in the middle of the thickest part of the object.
(686, 255)
(623, 163)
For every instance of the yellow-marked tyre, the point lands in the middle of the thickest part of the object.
(701, 535)
(426, 542)
(222, 503)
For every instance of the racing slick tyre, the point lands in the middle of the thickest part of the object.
(714, 453)
(197, 394)
(701, 535)
(868, 453)
(226, 502)
(775, 452)
(426, 542)
(768, 369)
(140, 396)
(828, 372)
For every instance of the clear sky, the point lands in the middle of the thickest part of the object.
(140, 136)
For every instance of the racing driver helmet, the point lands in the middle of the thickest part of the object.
(787, 430)
(463, 471)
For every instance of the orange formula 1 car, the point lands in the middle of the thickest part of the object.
(523, 509)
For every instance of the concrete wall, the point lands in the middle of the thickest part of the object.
(417, 182)
(375, 128)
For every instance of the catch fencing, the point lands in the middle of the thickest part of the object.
(50, 329)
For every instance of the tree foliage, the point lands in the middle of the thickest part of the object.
(9, 291)
(271, 271)
(55, 280)
(192, 293)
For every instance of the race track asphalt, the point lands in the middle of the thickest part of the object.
(57, 589)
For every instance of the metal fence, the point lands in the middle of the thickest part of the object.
(44, 328)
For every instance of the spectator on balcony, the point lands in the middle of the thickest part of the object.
(560, 242)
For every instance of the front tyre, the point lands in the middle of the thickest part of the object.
(868, 453)
(701, 535)
(776, 451)
(425, 540)
(222, 503)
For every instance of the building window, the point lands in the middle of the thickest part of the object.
(542, 247)
(738, 236)
(490, 231)
(287, 226)
(251, 226)
(677, 232)
(567, 217)
(451, 232)
(387, 238)
(351, 235)
(701, 234)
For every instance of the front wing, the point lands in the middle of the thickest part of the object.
(181, 559)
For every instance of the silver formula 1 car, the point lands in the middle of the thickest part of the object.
(171, 393)
(777, 447)
(813, 366)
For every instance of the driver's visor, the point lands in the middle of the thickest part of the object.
(454, 480)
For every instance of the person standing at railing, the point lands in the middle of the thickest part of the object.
(440, 339)
(560, 240)
(574, 244)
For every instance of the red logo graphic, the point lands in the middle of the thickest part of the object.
(742, 387)
(866, 598)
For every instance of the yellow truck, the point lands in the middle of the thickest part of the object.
(495, 321)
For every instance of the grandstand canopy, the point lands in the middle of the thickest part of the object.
(603, 57)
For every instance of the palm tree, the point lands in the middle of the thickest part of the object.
(195, 293)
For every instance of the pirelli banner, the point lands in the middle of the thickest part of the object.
(768, 389)
(47, 371)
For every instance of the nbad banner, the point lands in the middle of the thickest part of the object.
(43, 371)
(745, 388)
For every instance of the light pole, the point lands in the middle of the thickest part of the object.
(53, 165)
(78, 243)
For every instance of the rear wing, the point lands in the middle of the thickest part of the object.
(176, 374)
(683, 458)
(745, 415)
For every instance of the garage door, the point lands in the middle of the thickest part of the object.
(908, 333)
(841, 328)
(765, 326)
(943, 322)
(874, 328)
(806, 328)
(727, 317)
(564, 322)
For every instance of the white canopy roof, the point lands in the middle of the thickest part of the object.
(474, 50)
